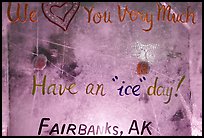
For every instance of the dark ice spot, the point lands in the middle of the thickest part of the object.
(47, 53)
(179, 70)
(200, 70)
(177, 116)
(144, 97)
(188, 125)
(73, 65)
(70, 71)
(16, 74)
(173, 54)
(70, 67)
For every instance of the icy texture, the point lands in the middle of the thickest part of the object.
(90, 53)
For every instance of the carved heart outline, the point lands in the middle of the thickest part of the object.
(69, 15)
(60, 7)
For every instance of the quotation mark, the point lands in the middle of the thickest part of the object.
(143, 79)
(116, 78)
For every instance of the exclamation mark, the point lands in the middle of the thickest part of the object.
(179, 84)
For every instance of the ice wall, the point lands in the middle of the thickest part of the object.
(90, 53)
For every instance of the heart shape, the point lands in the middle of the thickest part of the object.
(67, 10)
(55, 9)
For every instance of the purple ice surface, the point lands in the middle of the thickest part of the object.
(95, 53)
